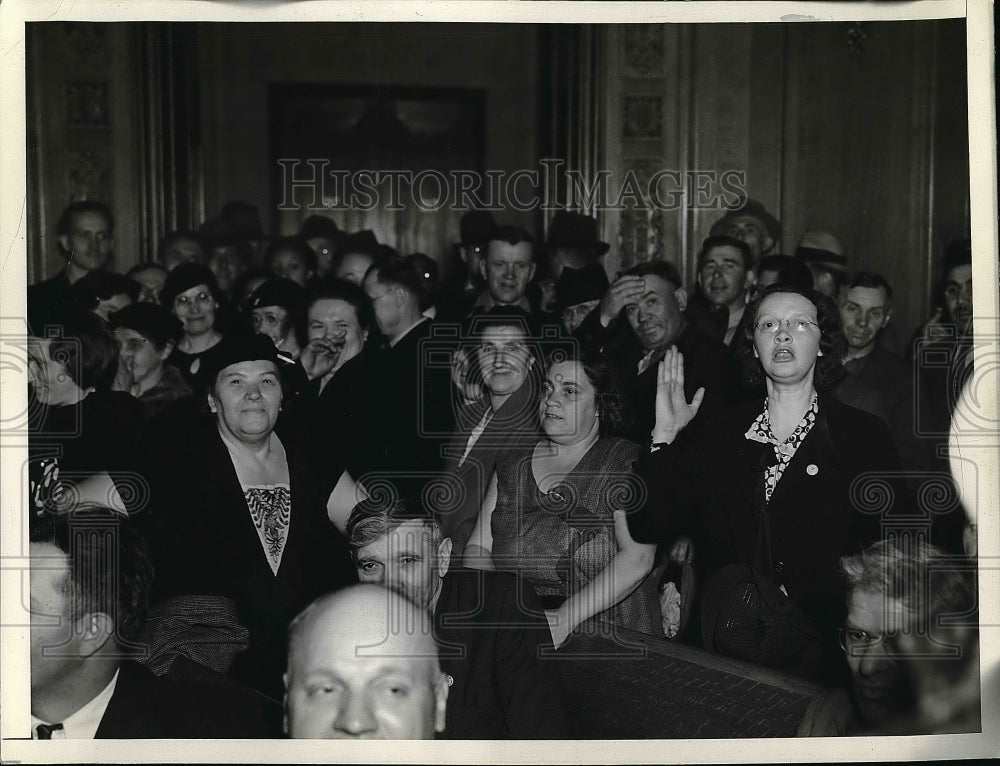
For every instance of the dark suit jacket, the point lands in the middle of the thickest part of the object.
(875, 383)
(708, 483)
(513, 426)
(145, 706)
(339, 419)
(708, 363)
(491, 631)
(412, 385)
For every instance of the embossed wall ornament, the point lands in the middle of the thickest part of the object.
(640, 237)
(88, 174)
(643, 50)
(642, 117)
(86, 40)
(87, 104)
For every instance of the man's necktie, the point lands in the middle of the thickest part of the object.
(45, 730)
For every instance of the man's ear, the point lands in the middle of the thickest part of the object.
(444, 556)
(167, 348)
(888, 317)
(751, 279)
(64, 241)
(96, 629)
(482, 269)
(441, 687)
(463, 254)
(531, 272)
(212, 406)
(680, 294)
(768, 244)
(398, 295)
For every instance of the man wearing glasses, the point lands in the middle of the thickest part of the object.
(899, 596)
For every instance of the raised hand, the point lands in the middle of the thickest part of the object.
(673, 411)
(321, 355)
(625, 290)
(461, 367)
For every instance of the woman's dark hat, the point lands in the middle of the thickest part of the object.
(183, 278)
(152, 322)
(576, 230)
(285, 293)
(581, 285)
(240, 347)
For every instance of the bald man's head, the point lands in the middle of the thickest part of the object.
(362, 663)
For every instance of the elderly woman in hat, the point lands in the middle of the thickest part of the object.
(146, 335)
(278, 310)
(244, 513)
(192, 295)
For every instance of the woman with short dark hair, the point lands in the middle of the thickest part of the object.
(506, 366)
(556, 511)
(337, 363)
(777, 485)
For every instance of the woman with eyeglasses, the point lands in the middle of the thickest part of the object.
(192, 294)
(818, 472)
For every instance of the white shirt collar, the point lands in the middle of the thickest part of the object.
(82, 724)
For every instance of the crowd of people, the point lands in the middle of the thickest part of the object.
(351, 499)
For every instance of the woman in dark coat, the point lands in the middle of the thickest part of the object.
(798, 459)
(242, 513)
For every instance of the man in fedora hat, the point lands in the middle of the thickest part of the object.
(573, 242)
(476, 228)
(753, 224)
(578, 292)
(822, 252)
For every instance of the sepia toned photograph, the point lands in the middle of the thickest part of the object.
(552, 384)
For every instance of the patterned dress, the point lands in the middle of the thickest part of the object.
(562, 539)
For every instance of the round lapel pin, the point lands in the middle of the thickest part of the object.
(812, 469)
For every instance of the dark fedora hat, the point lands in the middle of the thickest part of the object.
(754, 209)
(569, 229)
(574, 286)
(476, 227)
